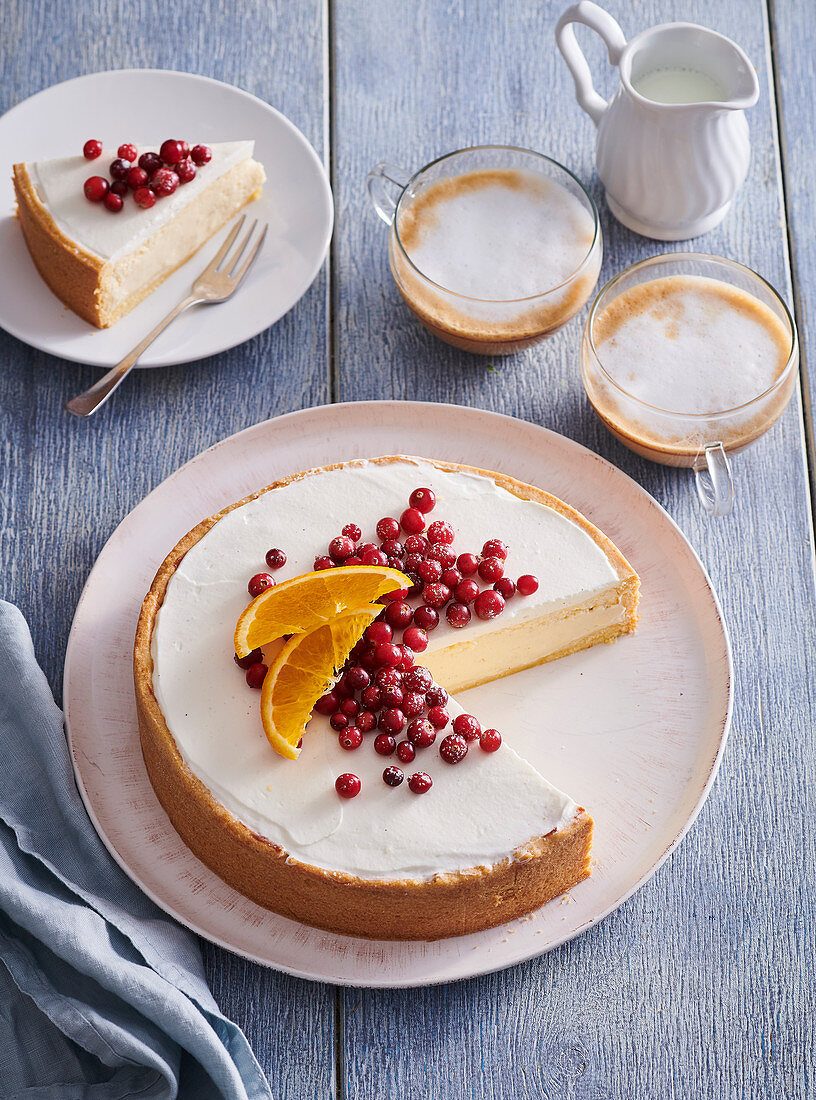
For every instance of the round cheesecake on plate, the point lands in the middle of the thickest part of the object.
(489, 838)
(102, 263)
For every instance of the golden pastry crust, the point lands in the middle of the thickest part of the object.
(446, 905)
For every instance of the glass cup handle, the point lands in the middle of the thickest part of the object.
(715, 485)
(377, 182)
(603, 24)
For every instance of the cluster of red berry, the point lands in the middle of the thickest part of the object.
(149, 176)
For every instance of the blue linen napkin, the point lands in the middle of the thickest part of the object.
(102, 996)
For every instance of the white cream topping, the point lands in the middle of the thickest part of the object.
(59, 185)
(478, 811)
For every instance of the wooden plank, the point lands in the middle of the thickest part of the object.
(65, 484)
(695, 987)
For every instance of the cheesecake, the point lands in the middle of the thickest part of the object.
(101, 263)
(488, 838)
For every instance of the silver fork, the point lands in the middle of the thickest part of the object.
(212, 285)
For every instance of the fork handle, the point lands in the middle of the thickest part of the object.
(84, 404)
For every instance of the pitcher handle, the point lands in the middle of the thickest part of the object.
(715, 484)
(376, 182)
(603, 24)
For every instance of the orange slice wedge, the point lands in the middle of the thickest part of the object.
(304, 670)
(300, 605)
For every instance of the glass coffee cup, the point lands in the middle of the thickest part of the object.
(688, 358)
(493, 248)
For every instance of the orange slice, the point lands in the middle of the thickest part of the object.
(302, 604)
(304, 670)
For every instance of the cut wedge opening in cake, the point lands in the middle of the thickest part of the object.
(394, 814)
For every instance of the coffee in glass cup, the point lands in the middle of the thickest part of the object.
(492, 248)
(687, 358)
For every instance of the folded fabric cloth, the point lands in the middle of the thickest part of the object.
(102, 995)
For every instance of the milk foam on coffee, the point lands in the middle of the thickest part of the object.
(690, 344)
(497, 235)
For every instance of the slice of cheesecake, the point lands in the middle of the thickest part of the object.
(101, 264)
(491, 838)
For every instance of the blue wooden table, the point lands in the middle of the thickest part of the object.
(702, 984)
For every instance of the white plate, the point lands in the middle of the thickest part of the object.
(150, 105)
(634, 730)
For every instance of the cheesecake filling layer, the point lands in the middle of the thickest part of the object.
(478, 812)
(109, 236)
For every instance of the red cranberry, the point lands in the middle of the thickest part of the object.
(370, 698)
(275, 558)
(412, 521)
(347, 785)
(399, 594)
(467, 564)
(443, 554)
(366, 721)
(327, 704)
(417, 679)
(118, 187)
(453, 748)
(323, 562)
(388, 654)
(128, 151)
(95, 188)
(255, 674)
(420, 782)
(416, 544)
(340, 548)
(392, 696)
(416, 638)
(467, 726)
(172, 151)
(350, 708)
(259, 583)
(391, 721)
(351, 530)
(451, 578)
(399, 614)
(339, 721)
(388, 528)
(374, 557)
(351, 738)
(413, 704)
(458, 615)
(92, 149)
(135, 177)
(366, 548)
(440, 532)
(491, 569)
(466, 591)
(202, 154)
(164, 181)
(505, 588)
(393, 548)
(250, 659)
(407, 658)
(436, 696)
(423, 500)
(406, 752)
(429, 571)
(186, 170)
(416, 586)
(113, 202)
(384, 744)
(412, 563)
(438, 717)
(379, 632)
(353, 560)
(488, 604)
(357, 678)
(420, 733)
(436, 595)
(342, 689)
(393, 776)
(150, 162)
(490, 740)
(119, 169)
(527, 585)
(144, 197)
(427, 618)
(494, 548)
(388, 678)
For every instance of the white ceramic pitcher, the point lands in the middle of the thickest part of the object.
(670, 169)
